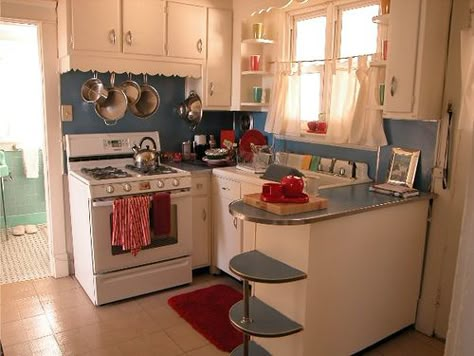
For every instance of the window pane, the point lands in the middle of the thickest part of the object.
(359, 33)
(310, 38)
(310, 96)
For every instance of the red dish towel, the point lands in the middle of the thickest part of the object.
(131, 223)
(161, 214)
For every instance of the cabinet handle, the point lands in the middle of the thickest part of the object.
(204, 215)
(112, 36)
(129, 38)
(235, 222)
(211, 88)
(199, 45)
(225, 188)
(393, 86)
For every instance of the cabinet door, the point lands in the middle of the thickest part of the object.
(219, 57)
(225, 233)
(96, 25)
(201, 240)
(186, 31)
(144, 27)
(402, 56)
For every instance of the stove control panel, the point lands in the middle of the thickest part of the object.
(140, 187)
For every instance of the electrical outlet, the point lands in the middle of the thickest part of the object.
(66, 112)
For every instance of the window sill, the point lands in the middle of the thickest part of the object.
(320, 139)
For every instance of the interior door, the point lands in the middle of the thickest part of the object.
(144, 30)
(96, 25)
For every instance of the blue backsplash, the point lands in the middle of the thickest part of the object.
(173, 130)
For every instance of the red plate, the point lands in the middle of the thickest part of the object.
(251, 136)
(303, 198)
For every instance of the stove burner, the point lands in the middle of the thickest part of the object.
(105, 172)
(151, 171)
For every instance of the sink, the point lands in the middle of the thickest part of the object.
(327, 180)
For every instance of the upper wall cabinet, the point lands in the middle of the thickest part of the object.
(132, 35)
(186, 30)
(417, 46)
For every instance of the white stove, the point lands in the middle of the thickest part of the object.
(101, 170)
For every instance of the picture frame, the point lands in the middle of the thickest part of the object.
(403, 166)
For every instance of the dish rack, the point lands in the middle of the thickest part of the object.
(255, 161)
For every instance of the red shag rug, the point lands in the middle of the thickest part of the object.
(207, 310)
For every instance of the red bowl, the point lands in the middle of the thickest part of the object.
(312, 125)
(292, 186)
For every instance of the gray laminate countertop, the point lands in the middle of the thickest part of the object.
(191, 166)
(342, 201)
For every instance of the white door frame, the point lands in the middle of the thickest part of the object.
(43, 14)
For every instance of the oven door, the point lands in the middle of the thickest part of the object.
(177, 243)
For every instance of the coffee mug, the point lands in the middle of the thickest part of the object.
(257, 94)
(257, 29)
(254, 62)
(272, 190)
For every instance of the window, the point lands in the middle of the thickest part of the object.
(339, 30)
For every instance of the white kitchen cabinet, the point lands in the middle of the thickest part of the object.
(186, 32)
(144, 31)
(201, 217)
(96, 26)
(219, 58)
(417, 45)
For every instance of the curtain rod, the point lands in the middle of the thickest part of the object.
(323, 60)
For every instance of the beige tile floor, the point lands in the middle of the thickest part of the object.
(55, 317)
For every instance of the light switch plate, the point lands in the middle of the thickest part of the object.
(66, 112)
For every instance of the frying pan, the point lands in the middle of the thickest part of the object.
(191, 110)
(148, 103)
(93, 89)
(112, 108)
(131, 89)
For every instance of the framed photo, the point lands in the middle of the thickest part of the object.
(403, 166)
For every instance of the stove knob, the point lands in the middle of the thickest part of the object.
(161, 184)
(109, 189)
(127, 187)
(175, 182)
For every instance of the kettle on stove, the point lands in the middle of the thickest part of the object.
(145, 157)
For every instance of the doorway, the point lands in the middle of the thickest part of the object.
(24, 246)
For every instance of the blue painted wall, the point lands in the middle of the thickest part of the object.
(173, 130)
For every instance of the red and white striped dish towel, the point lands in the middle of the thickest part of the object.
(131, 223)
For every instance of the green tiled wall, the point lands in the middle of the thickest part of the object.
(24, 197)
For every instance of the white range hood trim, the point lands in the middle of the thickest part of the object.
(137, 64)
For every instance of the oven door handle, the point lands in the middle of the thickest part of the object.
(110, 202)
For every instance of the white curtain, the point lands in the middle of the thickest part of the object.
(284, 115)
(353, 114)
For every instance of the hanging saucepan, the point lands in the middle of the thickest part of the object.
(93, 89)
(191, 110)
(112, 108)
(131, 89)
(148, 103)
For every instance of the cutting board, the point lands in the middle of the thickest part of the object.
(315, 203)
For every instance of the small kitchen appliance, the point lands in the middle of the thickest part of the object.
(102, 169)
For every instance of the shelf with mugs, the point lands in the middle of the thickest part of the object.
(257, 72)
(254, 104)
(263, 41)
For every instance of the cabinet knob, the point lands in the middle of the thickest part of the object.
(204, 215)
(112, 36)
(393, 86)
(199, 46)
(211, 88)
(129, 38)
